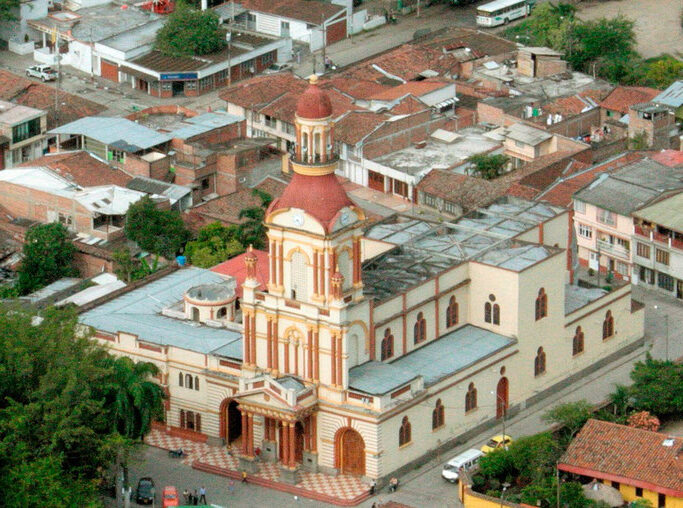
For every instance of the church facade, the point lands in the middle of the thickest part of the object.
(370, 346)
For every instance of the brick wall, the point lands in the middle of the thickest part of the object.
(401, 134)
(164, 109)
(89, 265)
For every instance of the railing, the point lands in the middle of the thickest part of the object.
(654, 236)
(613, 248)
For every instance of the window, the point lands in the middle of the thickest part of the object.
(539, 362)
(266, 59)
(401, 188)
(404, 432)
(616, 485)
(64, 219)
(438, 415)
(246, 67)
(117, 155)
(206, 82)
(420, 329)
(188, 381)
(665, 281)
(471, 398)
(643, 250)
(492, 311)
(577, 343)
(222, 313)
(452, 313)
(623, 243)
(288, 127)
(579, 206)
(190, 85)
(639, 491)
(190, 420)
(496, 314)
(608, 326)
(166, 85)
(585, 231)
(487, 312)
(541, 304)
(622, 268)
(180, 379)
(196, 383)
(25, 130)
(205, 183)
(662, 257)
(606, 217)
(387, 345)
(270, 122)
(661, 500)
(647, 275)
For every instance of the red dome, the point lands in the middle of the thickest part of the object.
(319, 196)
(314, 102)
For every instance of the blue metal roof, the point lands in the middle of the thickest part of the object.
(204, 123)
(139, 312)
(110, 130)
(672, 96)
(443, 357)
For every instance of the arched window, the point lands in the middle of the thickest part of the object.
(189, 423)
(438, 415)
(196, 382)
(577, 343)
(487, 312)
(471, 398)
(387, 345)
(188, 381)
(404, 432)
(183, 420)
(496, 314)
(452, 313)
(344, 264)
(197, 422)
(541, 304)
(222, 313)
(180, 379)
(539, 362)
(298, 276)
(420, 328)
(608, 326)
(492, 311)
(195, 314)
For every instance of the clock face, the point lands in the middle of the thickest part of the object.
(298, 219)
(345, 218)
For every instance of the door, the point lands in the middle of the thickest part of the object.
(299, 442)
(593, 261)
(502, 397)
(178, 88)
(351, 452)
(376, 181)
(679, 289)
(109, 70)
(234, 422)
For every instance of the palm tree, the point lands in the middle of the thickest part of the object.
(133, 397)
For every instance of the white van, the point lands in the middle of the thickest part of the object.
(466, 460)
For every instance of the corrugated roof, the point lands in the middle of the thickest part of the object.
(204, 123)
(172, 191)
(667, 212)
(139, 312)
(526, 134)
(672, 96)
(109, 130)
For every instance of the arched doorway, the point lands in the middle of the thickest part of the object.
(502, 397)
(299, 442)
(230, 421)
(350, 452)
(195, 314)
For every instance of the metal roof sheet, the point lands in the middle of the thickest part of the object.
(672, 96)
(667, 212)
(110, 130)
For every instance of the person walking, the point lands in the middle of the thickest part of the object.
(202, 495)
(195, 498)
(244, 477)
(231, 487)
(186, 496)
(373, 486)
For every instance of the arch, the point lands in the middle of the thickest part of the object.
(608, 325)
(387, 345)
(487, 312)
(541, 304)
(196, 383)
(452, 312)
(502, 394)
(577, 342)
(405, 432)
(539, 362)
(349, 452)
(420, 328)
(222, 313)
(230, 421)
(298, 275)
(180, 379)
(471, 398)
(188, 381)
(496, 314)
(438, 416)
(195, 314)
(299, 442)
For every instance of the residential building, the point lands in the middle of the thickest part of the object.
(524, 143)
(672, 97)
(640, 464)
(81, 168)
(358, 354)
(603, 208)
(653, 125)
(617, 103)
(658, 250)
(22, 134)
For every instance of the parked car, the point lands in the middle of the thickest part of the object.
(499, 441)
(277, 67)
(146, 492)
(169, 497)
(467, 460)
(44, 72)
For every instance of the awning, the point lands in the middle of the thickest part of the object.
(446, 103)
(137, 73)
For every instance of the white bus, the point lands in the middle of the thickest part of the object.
(501, 12)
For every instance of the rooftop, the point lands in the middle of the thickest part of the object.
(311, 12)
(172, 191)
(138, 312)
(196, 125)
(667, 212)
(672, 96)
(120, 133)
(11, 113)
(440, 358)
(426, 248)
(527, 134)
(622, 97)
(81, 168)
(638, 457)
(576, 297)
(467, 191)
(236, 268)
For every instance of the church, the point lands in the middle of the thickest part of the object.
(369, 347)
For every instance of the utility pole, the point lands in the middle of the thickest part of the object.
(324, 44)
(58, 84)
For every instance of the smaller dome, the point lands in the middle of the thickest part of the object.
(211, 292)
(314, 103)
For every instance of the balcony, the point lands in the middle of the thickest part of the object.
(654, 236)
(615, 249)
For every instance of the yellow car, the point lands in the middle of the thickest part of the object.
(499, 441)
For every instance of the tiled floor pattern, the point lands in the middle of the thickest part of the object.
(341, 487)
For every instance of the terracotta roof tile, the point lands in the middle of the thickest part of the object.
(309, 11)
(82, 169)
(353, 127)
(357, 88)
(624, 96)
(262, 90)
(479, 42)
(416, 88)
(468, 192)
(235, 267)
(408, 105)
(626, 454)
(671, 158)
(26, 92)
(284, 107)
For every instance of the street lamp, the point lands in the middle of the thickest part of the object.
(666, 323)
(501, 399)
(502, 494)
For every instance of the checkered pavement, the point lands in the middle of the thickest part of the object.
(341, 487)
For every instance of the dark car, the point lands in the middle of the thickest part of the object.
(146, 491)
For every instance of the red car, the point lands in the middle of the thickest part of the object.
(169, 497)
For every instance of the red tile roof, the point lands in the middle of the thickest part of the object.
(82, 169)
(284, 107)
(468, 192)
(357, 88)
(261, 90)
(624, 96)
(236, 268)
(416, 88)
(354, 126)
(671, 158)
(627, 455)
(26, 92)
(309, 11)
(314, 103)
(408, 105)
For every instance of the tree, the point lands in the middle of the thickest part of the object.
(215, 243)
(570, 415)
(644, 420)
(657, 387)
(661, 72)
(161, 232)
(189, 32)
(48, 256)
(8, 10)
(497, 464)
(124, 264)
(534, 457)
(544, 494)
(252, 231)
(488, 166)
